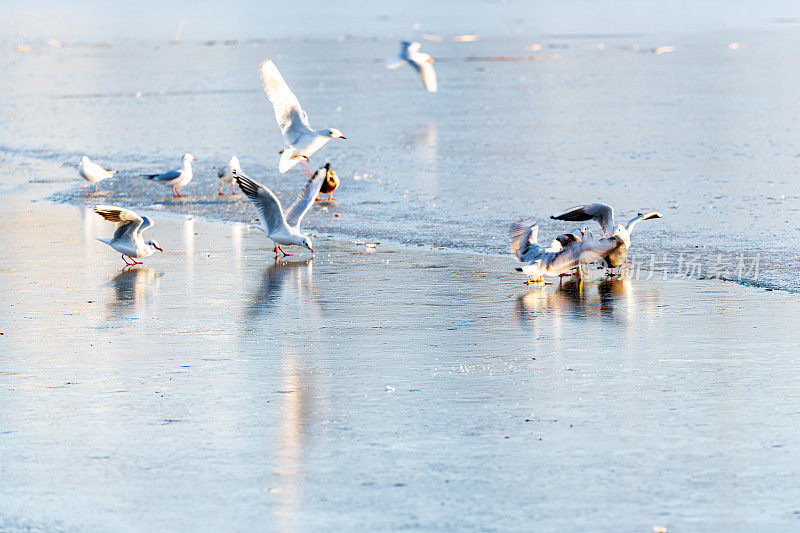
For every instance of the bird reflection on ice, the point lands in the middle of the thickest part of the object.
(279, 281)
(611, 299)
(132, 286)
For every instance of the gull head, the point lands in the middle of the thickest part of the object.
(188, 157)
(83, 161)
(154, 244)
(234, 163)
(333, 133)
(306, 241)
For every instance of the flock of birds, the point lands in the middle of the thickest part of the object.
(567, 255)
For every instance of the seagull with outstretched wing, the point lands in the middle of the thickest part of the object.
(283, 228)
(613, 247)
(300, 138)
(127, 238)
(419, 61)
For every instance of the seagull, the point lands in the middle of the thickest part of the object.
(281, 228)
(563, 254)
(301, 141)
(420, 61)
(330, 184)
(127, 238)
(177, 177)
(226, 174)
(613, 247)
(92, 172)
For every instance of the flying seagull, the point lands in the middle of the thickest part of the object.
(420, 61)
(283, 228)
(177, 177)
(613, 247)
(92, 172)
(301, 140)
(225, 174)
(127, 238)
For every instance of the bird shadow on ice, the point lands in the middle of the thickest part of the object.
(612, 299)
(132, 286)
(285, 286)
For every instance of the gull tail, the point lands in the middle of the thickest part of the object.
(286, 162)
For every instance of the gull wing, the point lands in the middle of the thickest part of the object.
(128, 222)
(525, 240)
(427, 72)
(166, 176)
(601, 213)
(266, 203)
(304, 201)
(291, 118)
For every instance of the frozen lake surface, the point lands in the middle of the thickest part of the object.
(418, 385)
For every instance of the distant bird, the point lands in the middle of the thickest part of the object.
(301, 140)
(330, 184)
(93, 173)
(281, 228)
(127, 238)
(613, 247)
(420, 61)
(177, 177)
(225, 174)
(563, 254)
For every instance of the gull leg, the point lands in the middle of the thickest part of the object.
(95, 187)
(309, 174)
(318, 199)
(275, 250)
(331, 198)
(281, 249)
(178, 193)
(221, 185)
(233, 189)
(126, 261)
(84, 186)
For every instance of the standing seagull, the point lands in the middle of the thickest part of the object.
(613, 247)
(301, 141)
(177, 177)
(225, 174)
(92, 172)
(281, 228)
(420, 61)
(127, 238)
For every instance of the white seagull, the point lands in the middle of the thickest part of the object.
(420, 61)
(613, 247)
(563, 254)
(127, 238)
(301, 140)
(92, 172)
(281, 228)
(177, 177)
(225, 174)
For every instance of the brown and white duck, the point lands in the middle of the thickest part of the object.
(330, 184)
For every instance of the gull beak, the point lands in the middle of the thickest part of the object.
(194, 159)
(312, 250)
(342, 137)
(430, 60)
(160, 249)
(76, 166)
